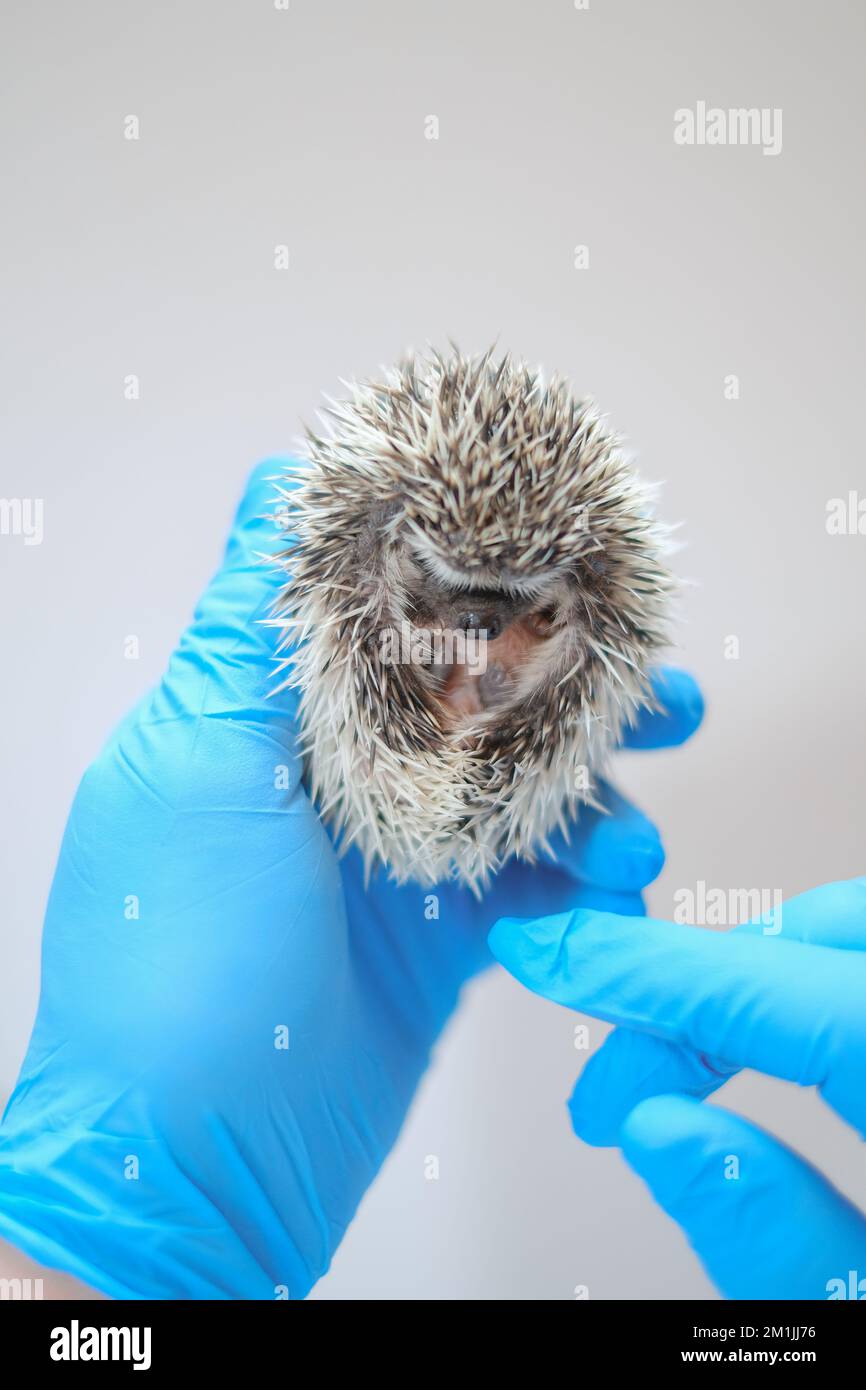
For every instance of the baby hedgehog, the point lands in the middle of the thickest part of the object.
(475, 588)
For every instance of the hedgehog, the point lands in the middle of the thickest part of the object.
(475, 589)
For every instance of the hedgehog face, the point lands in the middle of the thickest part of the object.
(458, 499)
(483, 639)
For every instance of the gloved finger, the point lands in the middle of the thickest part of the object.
(774, 1005)
(616, 848)
(733, 1188)
(630, 1066)
(832, 915)
(226, 659)
(681, 711)
(430, 955)
(520, 884)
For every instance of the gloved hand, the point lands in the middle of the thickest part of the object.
(786, 996)
(231, 1027)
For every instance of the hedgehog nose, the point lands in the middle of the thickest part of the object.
(473, 621)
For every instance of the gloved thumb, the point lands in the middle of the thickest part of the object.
(225, 662)
(764, 1223)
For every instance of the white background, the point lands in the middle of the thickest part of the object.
(155, 257)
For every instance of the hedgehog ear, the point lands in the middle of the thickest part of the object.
(373, 535)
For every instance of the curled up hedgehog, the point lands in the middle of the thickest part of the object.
(475, 589)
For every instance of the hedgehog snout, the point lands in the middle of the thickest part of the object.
(472, 621)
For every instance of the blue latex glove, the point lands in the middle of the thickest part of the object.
(162, 1140)
(697, 1006)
